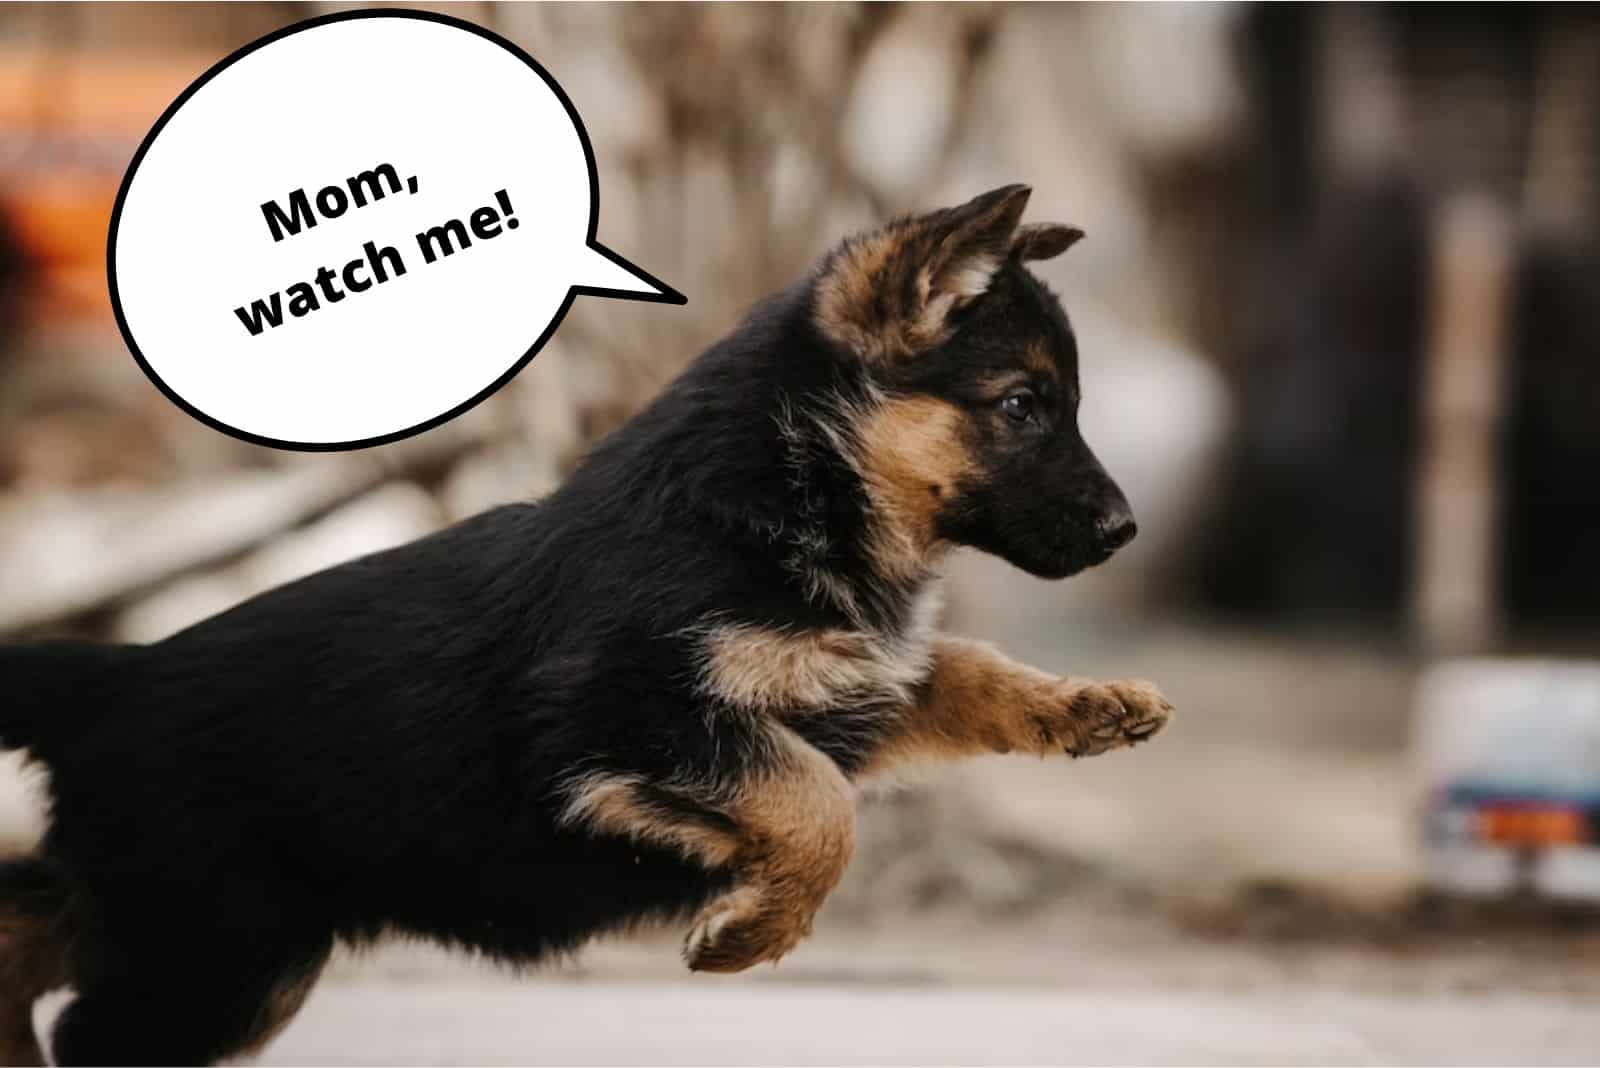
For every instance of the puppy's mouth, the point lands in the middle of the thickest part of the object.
(1089, 548)
(1081, 560)
(1093, 557)
(1099, 555)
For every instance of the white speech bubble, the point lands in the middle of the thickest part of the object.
(410, 199)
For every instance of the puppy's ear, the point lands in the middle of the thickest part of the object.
(888, 295)
(1043, 241)
(972, 243)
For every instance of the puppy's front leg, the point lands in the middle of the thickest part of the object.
(977, 700)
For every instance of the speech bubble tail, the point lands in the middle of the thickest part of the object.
(603, 273)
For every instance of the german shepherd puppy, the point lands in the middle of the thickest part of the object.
(652, 694)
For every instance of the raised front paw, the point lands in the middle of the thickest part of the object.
(1098, 716)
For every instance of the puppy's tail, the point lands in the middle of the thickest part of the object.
(35, 934)
(50, 690)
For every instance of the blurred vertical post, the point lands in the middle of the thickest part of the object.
(1456, 607)
(1560, 186)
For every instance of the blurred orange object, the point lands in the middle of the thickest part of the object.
(70, 122)
(1532, 825)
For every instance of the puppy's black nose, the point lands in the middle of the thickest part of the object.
(1116, 530)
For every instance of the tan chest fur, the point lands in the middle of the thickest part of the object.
(781, 671)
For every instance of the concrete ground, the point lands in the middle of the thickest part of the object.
(1091, 983)
(1088, 983)
(1234, 893)
(613, 1023)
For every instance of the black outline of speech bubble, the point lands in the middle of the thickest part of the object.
(668, 295)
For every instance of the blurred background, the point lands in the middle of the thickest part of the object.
(1336, 316)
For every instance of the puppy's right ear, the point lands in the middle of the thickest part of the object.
(1043, 241)
(888, 295)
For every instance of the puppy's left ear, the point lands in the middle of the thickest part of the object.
(973, 241)
(888, 295)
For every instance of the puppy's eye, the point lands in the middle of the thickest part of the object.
(1020, 407)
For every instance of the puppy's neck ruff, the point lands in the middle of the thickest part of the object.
(854, 543)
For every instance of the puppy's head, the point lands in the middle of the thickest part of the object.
(971, 436)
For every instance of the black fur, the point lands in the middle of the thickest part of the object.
(380, 747)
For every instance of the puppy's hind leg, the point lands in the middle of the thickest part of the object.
(212, 998)
(781, 829)
(797, 829)
(34, 926)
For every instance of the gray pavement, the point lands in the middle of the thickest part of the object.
(718, 1023)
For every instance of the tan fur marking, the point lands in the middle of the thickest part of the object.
(888, 295)
(1039, 360)
(971, 279)
(798, 822)
(857, 303)
(977, 700)
(795, 831)
(616, 804)
(32, 963)
(778, 671)
(770, 670)
(878, 297)
(912, 459)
